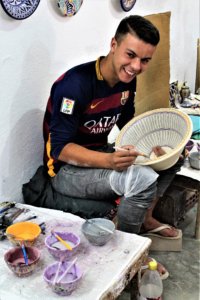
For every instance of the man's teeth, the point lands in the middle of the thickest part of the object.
(129, 72)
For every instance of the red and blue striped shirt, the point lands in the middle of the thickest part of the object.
(82, 109)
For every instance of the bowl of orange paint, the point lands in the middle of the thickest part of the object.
(26, 232)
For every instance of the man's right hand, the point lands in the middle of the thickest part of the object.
(124, 157)
(80, 156)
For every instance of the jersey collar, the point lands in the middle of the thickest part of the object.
(97, 67)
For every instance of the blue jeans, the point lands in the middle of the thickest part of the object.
(87, 183)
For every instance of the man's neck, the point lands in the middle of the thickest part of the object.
(106, 70)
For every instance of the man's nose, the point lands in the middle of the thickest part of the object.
(136, 64)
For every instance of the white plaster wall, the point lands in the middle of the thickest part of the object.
(35, 51)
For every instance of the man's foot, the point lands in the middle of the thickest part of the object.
(152, 223)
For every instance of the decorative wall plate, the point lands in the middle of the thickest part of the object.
(19, 9)
(127, 4)
(69, 8)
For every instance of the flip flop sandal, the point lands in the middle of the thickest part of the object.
(164, 243)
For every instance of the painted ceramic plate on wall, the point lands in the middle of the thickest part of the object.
(69, 8)
(19, 9)
(127, 4)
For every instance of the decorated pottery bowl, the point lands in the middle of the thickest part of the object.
(58, 249)
(168, 128)
(26, 232)
(189, 145)
(69, 8)
(62, 281)
(15, 261)
(98, 231)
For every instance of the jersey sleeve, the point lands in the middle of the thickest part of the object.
(64, 125)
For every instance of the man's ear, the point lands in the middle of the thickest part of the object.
(113, 44)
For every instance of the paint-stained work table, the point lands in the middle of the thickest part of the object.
(107, 269)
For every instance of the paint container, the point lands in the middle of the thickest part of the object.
(57, 249)
(27, 232)
(14, 259)
(98, 231)
(68, 283)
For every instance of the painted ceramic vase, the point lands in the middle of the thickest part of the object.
(184, 92)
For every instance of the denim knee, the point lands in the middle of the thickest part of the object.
(133, 181)
(131, 211)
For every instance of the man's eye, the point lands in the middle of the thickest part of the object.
(131, 55)
(145, 61)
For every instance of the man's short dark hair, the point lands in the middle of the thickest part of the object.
(140, 27)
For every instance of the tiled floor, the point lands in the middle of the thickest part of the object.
(184, 267)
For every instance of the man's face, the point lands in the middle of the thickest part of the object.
(130, 57)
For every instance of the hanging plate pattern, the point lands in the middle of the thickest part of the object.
(127, 4)
(69, 8)
(19, 9)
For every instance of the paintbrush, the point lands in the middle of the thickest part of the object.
(67, 270)
(123, 149)
(57, 272)
(24, 253)
(61, 240)
(99, 226)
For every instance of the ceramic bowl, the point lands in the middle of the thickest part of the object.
(98, 231)
(68, 283)
(194, 160)
(189, 145)
(15, 260)
(186, 103)
(167, 127)
(57, 249)
(27, 232)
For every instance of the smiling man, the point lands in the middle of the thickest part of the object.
(129, 56)
(84, 105)
(89, 99)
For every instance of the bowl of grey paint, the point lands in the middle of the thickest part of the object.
(98, 231)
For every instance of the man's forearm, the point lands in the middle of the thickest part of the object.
(77, 155)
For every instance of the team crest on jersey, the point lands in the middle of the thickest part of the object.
(67, 106)
(124, 97)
